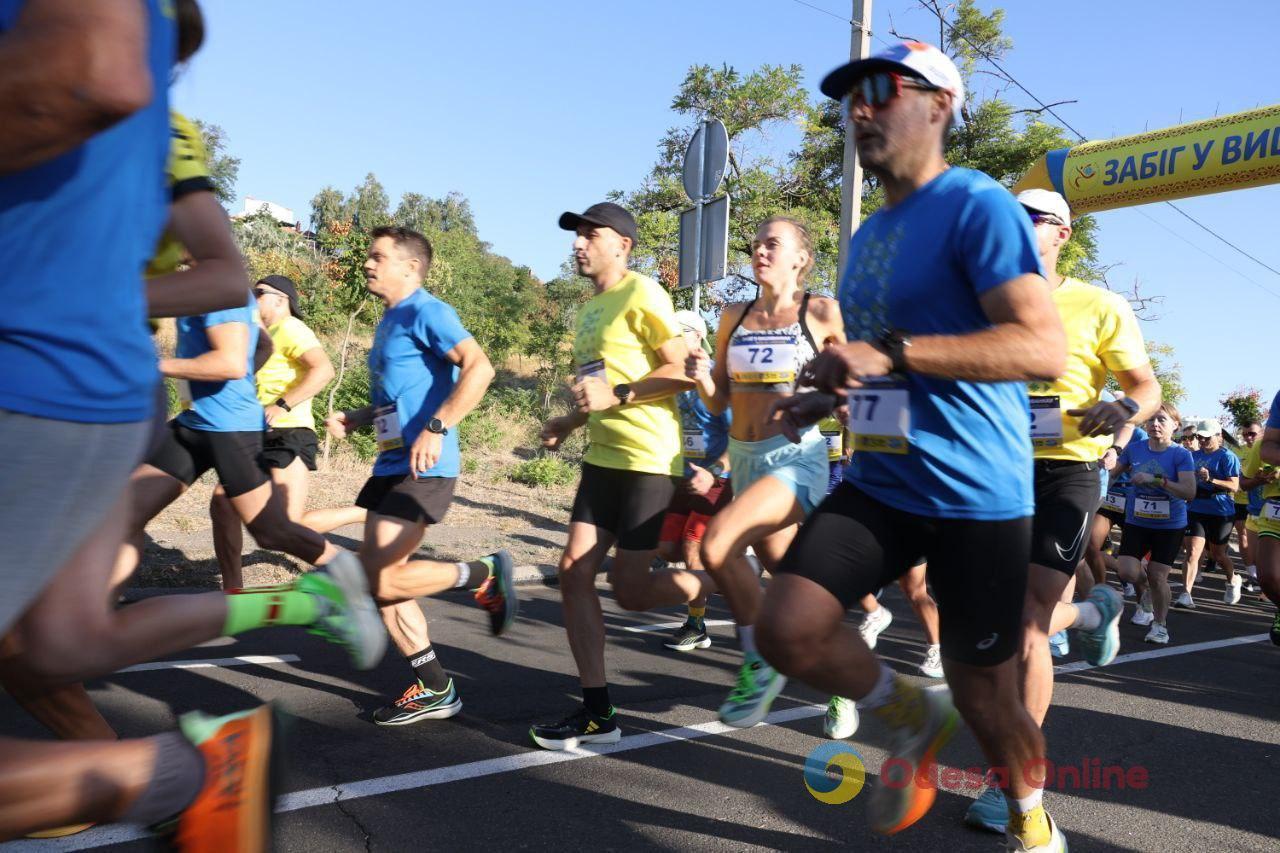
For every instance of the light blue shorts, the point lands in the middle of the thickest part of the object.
(801, 467)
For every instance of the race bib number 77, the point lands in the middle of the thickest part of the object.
(880, 419)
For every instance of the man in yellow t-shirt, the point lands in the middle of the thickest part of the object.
(1073, 432)
(1261, 470)
(629, 355)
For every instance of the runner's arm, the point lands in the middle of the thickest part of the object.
(357, 418)
(715, 392)
(668, 378)
(227, 358)
(474, 375)
(1184, 487)
(217, 279)
(1270, 450)
(319, 373)
(1025, 343)
(72, 68)
(1226, 484)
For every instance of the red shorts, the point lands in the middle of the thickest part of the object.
(689, 514)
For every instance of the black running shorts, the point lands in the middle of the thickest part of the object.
(281, 446)
(1163, 545)
(1067, 495)
(853, 545)
(1242, 512)
(425, 499)
(1215, 528)
(629, 504)
(1111, 515)
(186, 453)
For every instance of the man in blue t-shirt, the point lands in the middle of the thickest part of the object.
(948, 315)
(1211, 515)
(427, 373)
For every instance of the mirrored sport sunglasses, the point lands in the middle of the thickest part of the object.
(1037, 218)
(262, 291)
(881, 87)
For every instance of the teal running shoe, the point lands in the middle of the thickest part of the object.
(1100, 645)
(748, 703)
(989, 811)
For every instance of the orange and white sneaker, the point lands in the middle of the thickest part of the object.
(232, 811)
(922, 721)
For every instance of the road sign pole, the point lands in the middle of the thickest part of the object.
(851, 173)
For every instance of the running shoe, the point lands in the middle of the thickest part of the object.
(1142, 614)
(1231, 592)
(61, 831)
(689, 636)
(578, 728)
(346, 614)
(873, 624)
(1101, 644)
(419, 702)
(1184, 601)
(921, 722)
(232, 811)
(498, 593)
(758, 685)
(931, 666)
(990, 811)
(1059, 644)
(842, 718)
(1057, 842)
(1129, 591)
(1275, 628)
(1158, 634)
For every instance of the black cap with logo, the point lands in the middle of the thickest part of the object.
(605, 213)
(286, 286)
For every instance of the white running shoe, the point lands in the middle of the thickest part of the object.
(1129, 591)
(931, 666)
(873, 624)
(1231, 593)
(1142, 614)
(1185, 601)
(1158, 634)
(842, 718)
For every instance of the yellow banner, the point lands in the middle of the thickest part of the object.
(1226, 153)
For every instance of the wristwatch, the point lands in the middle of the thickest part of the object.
(282, 404)
(623, 392)
(716, 470)
(1130, 405)
(894, 343)
(437, 426)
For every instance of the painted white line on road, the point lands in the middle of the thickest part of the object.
(664, 626)
(210, 663)
(312, 797)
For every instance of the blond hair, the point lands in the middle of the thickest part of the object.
(806, 242)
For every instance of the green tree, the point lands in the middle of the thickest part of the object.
(1167, 371)
(326, 208)
(223, 168)
(1244, 406)
(367, 205)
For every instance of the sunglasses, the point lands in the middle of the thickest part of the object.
(880, 88)
(1037, 218)
(261, 291)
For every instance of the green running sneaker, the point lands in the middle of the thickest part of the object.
(748, 703)
(347, 615)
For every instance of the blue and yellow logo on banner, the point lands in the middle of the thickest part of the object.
(1215, 155)
(834, 773)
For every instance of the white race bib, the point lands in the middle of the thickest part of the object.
(695, 445)
(833, 434)
(1113, 501)
(1154, 509)
(761, 357)
(880, 419)
(1271, 509)
(386, 425)
(1046, 421)
(184, 395)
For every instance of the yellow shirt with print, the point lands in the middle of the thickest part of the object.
(1102, 335)
(1242, 453)
(290, 338)
(1252, 463)
(619, 332)
(187, 171)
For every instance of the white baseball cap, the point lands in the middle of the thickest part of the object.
(1208, 428)
(1047, 202)
(692, 321)
(910, 57)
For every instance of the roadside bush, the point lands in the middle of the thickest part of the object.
(543, 472)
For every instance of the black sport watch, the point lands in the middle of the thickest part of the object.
(437, 426)
(894, 343)
(282, 404)
(1130, 405)
(623, 392)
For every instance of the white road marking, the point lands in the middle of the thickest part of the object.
(209, 663)
(666, 626)
(312, 797)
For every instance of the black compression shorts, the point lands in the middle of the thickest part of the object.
(629, 504)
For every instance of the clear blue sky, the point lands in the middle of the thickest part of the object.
(532, 108)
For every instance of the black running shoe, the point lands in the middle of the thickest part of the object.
(419, 703)
(498, 594)
(578, 728)
(1275, 628)
(688, 637)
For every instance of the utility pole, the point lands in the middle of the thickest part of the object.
(851, 173)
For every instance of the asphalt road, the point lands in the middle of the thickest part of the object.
(1200, 718)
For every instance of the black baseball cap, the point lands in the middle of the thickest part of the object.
(285, 285)
(605, 213)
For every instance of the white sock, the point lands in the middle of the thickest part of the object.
(1026, 804)
(881, 693)
(464, 576)
(747, 639)
(1088, 616)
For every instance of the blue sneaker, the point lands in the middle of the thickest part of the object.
(1101, 645)
(1059, 645)
(989, 811)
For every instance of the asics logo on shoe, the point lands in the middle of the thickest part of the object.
(988, 642)
(429, 656)
(1072, 552)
